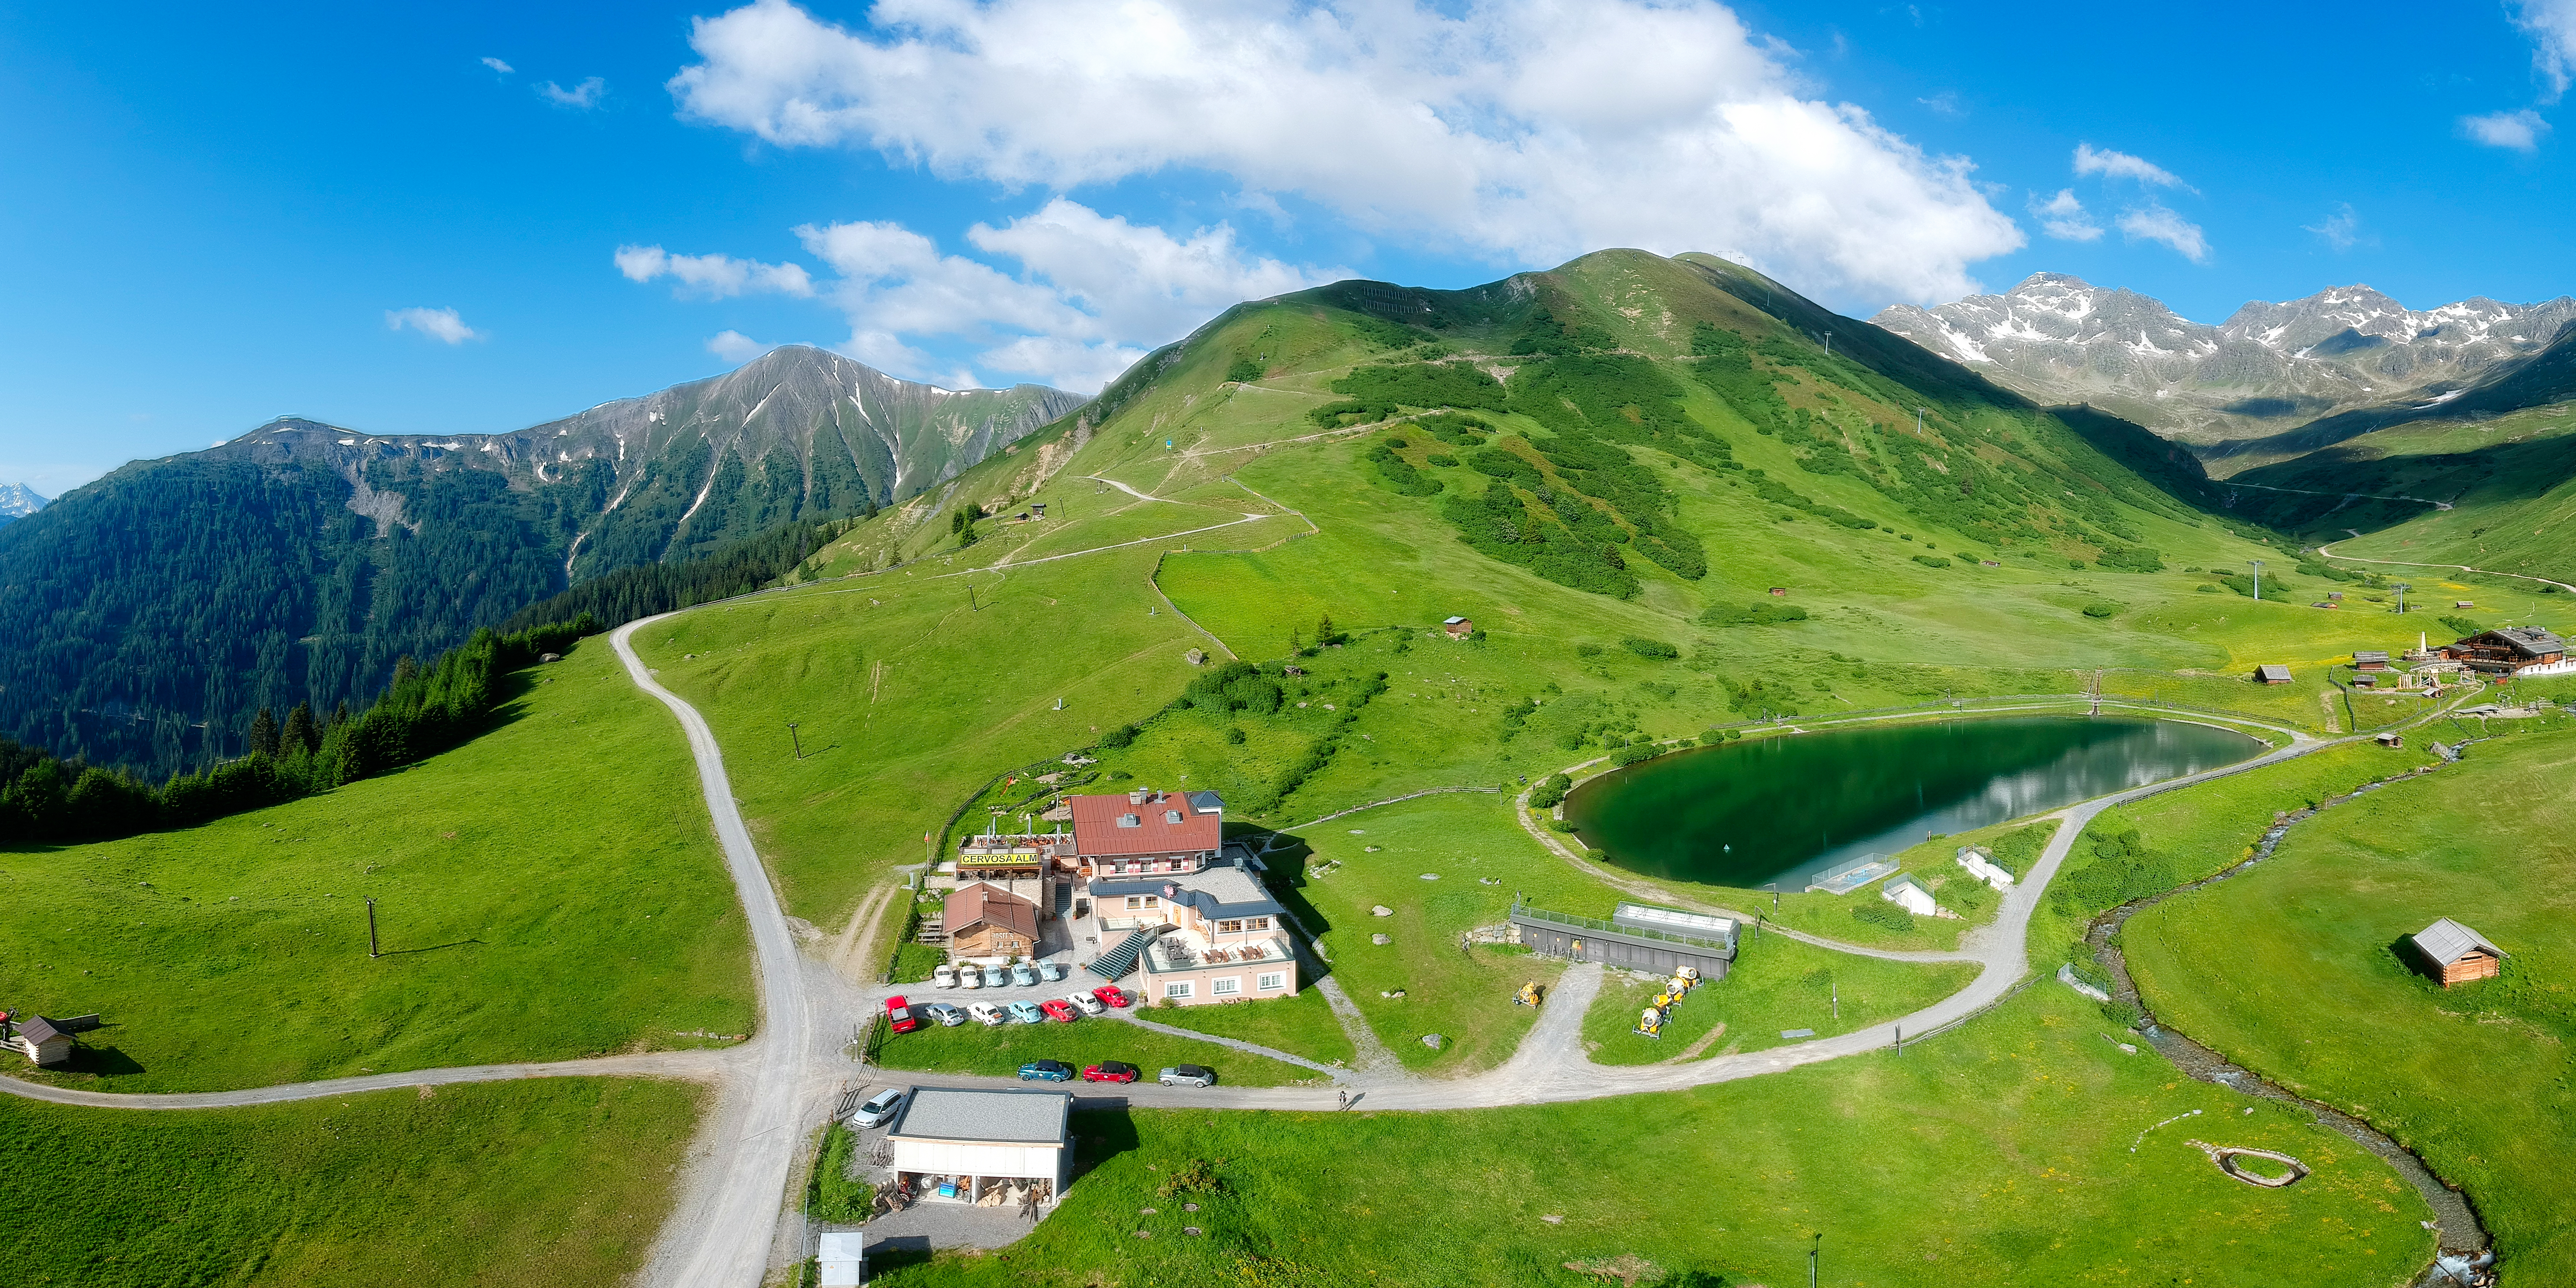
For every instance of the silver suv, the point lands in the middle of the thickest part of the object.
(1187, 1075)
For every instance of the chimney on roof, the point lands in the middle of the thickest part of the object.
(1137, 797)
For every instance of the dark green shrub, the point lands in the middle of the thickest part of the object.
(1118, 737)
(1767, 614)
(1245, 369)
(2101, 610)
(1550, 791)
(1932, 561)
(1644, 647)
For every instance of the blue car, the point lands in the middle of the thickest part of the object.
(1050, 971)
(1022, 975)
(1027, 1013)
(1046, 1071)
(996, 977)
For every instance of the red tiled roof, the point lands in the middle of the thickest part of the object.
(1096, 833)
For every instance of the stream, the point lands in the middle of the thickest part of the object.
(2463, 1237)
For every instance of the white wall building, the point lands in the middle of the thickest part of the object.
(842, 1257)
(1904, 893)
(972, 1146)
(1979, 861)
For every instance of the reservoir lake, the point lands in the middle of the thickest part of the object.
(1784, 809)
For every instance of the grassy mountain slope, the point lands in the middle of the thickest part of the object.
(495, 1186)
(901, 661)
(548, 891)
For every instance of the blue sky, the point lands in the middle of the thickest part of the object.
(474, 218)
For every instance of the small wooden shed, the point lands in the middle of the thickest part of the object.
(38, 1040)
(2456, 953)
(2366, 660)
(2272, 673)
(1458, 628)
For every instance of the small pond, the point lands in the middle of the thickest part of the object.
(1784, 809)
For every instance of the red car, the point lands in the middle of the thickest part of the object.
(899, 1016)
(1059, 1010)
(1110, 1071)
(1109, 993)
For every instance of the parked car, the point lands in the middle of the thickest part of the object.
(1090, 1005)
(949, 1017)
(943, 976)
(996, 977)
(899, 1015)
(881, 1107)
(1059, 1010)
(1027, 1013)
(1110, 1071)
(1023, 974)
(1046, 1070)
(970, 976)
(1050, 971)
(1187, 1075)
(1109, 994)
(984, 1013)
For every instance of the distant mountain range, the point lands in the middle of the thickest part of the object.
(300, 560)
(2267, 369)
(17, 501)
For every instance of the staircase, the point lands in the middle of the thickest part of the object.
(1121, 958)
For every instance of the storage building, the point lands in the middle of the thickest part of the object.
(40, 1040)
(843, 1259)
(2272, 673)
(1636, 937)
(991, 1148)
(2456, 953)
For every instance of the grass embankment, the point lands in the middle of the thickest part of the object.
(1000, 1051)
(1301, 1025)
(2293, 969)
(1378, 858)
(549, 891)
(529, 1184)
(1998, 1153)
(1934, 863)
(1776, 984)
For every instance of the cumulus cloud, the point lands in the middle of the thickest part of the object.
(2152, 222)
(2552, 27)
(583, 96)
(499, 66)
(2341, 230)
(1487, 130)
(712, 277)
(2121, 165)
(442, 325)
(2514, 131)
(1094, 293)
(734, 346)
(2063, 217)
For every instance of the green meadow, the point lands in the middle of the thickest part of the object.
(503, 1185)
(2293, 969)
(549, 891)
(1777, 985)
(1998, 1153)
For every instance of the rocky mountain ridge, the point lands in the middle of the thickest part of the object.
(17, 501)
(2268, 368)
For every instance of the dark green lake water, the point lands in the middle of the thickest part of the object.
(1783, 809)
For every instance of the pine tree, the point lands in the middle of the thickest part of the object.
(1296, 645)
(263, 734)
(1324, 632)
(300, 731)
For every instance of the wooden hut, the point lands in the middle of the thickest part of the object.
(1458, 628)
(2456, 953)
(2272, 673)
(2370, 661)
(38, 1040)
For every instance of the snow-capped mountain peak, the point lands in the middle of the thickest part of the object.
(2059, 338)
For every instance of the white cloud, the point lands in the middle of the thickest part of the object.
(713, 277)
(2063, 217)
(583, 96)
(1946, 103)
(2341, 230)
(499, 66)
(1095, 292)
(2552, 24)
(442, 325)
(734, 346)
(2121, 165)
(1495, 131)
(2517, 131)
(2152, 222)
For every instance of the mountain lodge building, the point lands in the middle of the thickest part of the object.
(2512, 651)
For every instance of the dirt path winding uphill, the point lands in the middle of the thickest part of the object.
(2327, 551)
(698, 1065)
